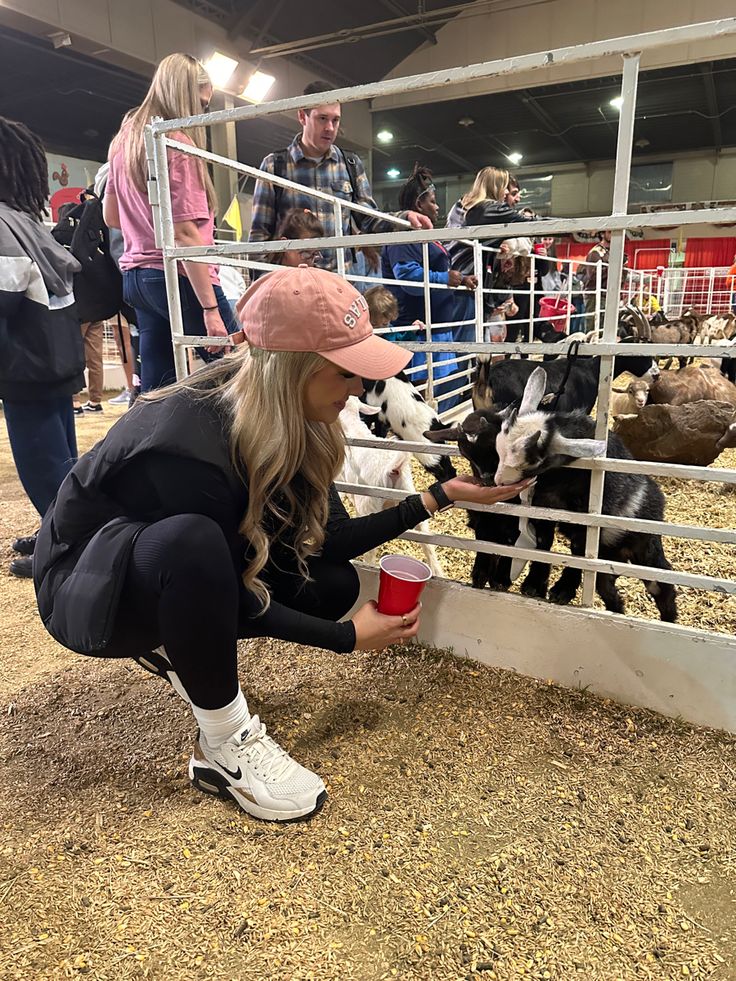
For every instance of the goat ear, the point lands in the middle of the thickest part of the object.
(619, 391)
(579, 448)
(509, 415)
(368, 410)
(533, 391)
(451, 435)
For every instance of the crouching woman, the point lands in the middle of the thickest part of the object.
(208, 513)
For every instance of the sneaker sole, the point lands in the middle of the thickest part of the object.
(159, 666)
(216, 785)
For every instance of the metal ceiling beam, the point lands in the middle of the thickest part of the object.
(413, 138)
(241, 21)
(395, 8)
(712, 100)
(528, 100)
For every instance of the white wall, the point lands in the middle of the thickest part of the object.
(527, 27)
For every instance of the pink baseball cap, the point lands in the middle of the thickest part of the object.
(310, 309)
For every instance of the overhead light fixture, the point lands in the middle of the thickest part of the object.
(393, 173)
(60, 39)
(515, 157)
(617, 102)
(466, 121)
(258, 87)
(220, 67)
(384, 136)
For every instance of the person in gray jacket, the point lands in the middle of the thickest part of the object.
(41, 351)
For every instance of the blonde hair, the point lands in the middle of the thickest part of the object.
(382, 304)
(271, 444)
(174, 93)
(489, 185)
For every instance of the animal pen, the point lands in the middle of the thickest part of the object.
(680, 671)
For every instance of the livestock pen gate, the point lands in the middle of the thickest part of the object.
(673, 669)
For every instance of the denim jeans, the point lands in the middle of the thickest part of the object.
(43, 442)
(145, 291)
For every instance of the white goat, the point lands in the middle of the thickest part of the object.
(631, 400)
(716, 329)
(377, 468)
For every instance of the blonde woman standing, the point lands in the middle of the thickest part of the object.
(209, 513)
(180, 87)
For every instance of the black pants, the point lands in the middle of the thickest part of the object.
(182, 591)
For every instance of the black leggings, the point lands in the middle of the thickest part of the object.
(182, 591)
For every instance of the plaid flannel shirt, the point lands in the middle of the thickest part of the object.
(330, 175)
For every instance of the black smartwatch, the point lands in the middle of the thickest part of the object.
(443, 501)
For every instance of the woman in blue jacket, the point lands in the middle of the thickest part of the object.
(405, 263)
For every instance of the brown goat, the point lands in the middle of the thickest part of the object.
(690, 384)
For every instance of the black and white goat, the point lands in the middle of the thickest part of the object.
(377, 468)
(403, 410)
(509, 446)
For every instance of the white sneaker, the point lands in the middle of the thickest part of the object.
(122, 399)
(254, 771)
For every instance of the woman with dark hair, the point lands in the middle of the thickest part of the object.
(41, 352)
(405, 263)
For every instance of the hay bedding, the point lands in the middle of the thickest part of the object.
(479, 824)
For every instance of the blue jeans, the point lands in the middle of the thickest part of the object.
(43, 442)
(145, 291)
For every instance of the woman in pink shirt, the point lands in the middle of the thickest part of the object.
(180, 87)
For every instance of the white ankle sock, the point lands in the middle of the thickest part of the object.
(217, 725)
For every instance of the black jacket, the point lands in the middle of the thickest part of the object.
(86, 537)
(485, 213)
(41, 350)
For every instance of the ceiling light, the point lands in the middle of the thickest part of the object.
(393, 173)
(384, 136)
(515, 157)
(60, 39)
(466, 121)
(617, 102)
(258, 87)
(220, 67)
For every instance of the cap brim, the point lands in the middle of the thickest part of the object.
(373, 358)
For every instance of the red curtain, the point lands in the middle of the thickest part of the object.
(649, 253)
(709, 252)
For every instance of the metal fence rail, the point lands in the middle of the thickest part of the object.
(245, 255)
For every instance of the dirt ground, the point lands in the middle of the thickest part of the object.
(479, 823)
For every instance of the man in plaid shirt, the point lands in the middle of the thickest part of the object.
(313, 160)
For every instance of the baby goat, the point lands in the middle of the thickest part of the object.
(401, 408)
(377, 468)
(516, 445)
(631, 400)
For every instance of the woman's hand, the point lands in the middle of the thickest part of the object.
(454, 277)
(215, 327)
(374, 630)
(469, 282)
(464, 488)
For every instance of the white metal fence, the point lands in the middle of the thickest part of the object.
(241, 254)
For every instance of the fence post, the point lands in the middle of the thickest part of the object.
(711, 281)
(624, 149)
(532, 282)
(337, 207)
(479, 297)
(428, 321)
(163, 214)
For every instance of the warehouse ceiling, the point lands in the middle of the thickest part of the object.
(75, 102)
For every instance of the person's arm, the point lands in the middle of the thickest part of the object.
(346, 537)
(263, 217)
(110, 210)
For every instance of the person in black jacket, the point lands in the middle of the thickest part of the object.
(209, 513)
(41, 354)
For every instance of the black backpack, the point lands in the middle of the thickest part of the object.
(98, 288)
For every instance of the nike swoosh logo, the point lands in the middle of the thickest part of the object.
(235, 774)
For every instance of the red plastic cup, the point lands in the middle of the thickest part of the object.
(401, 583)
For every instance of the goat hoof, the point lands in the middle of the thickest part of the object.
(498, 587)
(561, 597)
(533, 591)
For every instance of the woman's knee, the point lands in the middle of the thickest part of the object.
(186, 545)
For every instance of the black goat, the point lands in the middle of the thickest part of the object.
(510, 446)
(501, 384)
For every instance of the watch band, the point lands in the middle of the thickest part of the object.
(438, 493)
